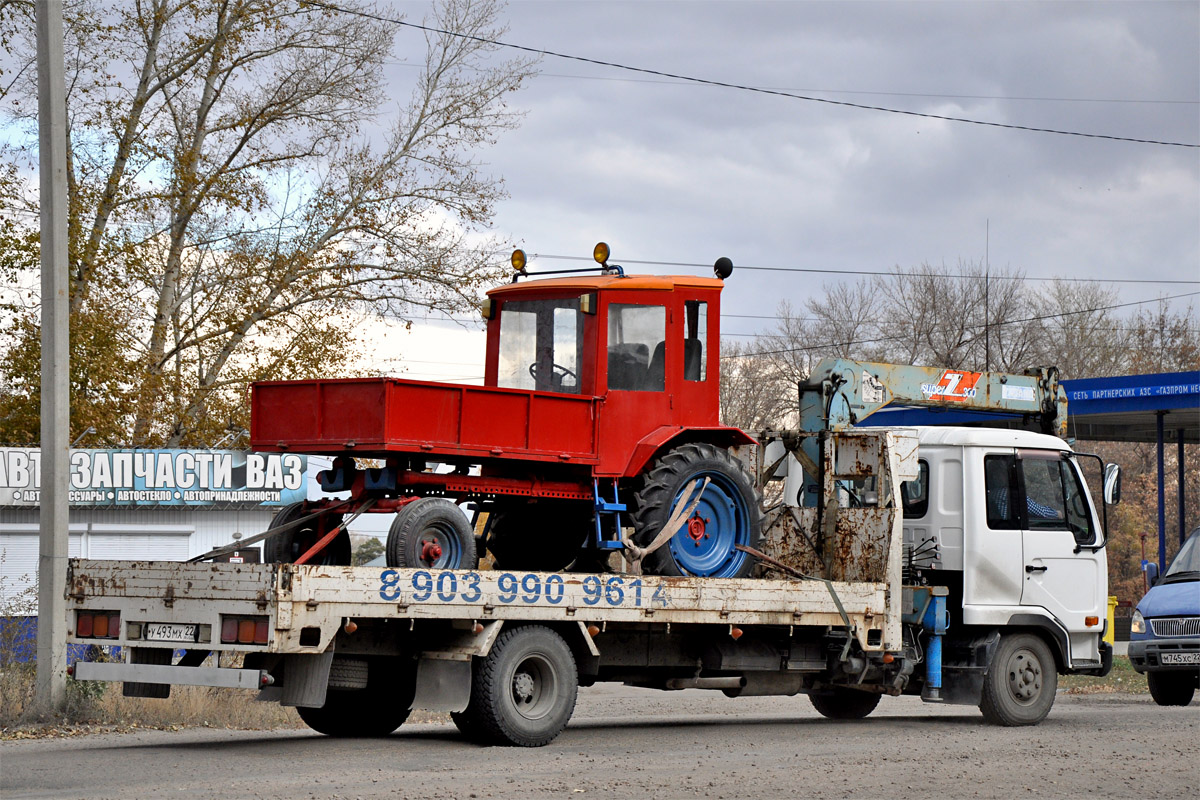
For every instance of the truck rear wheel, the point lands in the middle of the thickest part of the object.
(431, 533)
(523, 692)
(360, 713)
(840, 703)
(286, 546)
(728, 513)
(1020, 683)
(1172, 688)
(377, 709)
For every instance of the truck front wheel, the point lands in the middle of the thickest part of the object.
(1020, 683)
(1171, 688)
(727, 515)
(523, 692)
(844, 703)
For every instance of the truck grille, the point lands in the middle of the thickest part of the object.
(1176, 626)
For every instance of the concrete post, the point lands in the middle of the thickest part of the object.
(1183, 531)
(51, 684)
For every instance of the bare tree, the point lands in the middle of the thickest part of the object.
(240, 192)
(1080, 333)
(754, 393)
(1162, 340)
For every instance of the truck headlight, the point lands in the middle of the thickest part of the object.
(1138, 623)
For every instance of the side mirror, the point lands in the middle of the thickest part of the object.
(1151, 570)
(1112, 484)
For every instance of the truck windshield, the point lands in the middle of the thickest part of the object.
(540, 342)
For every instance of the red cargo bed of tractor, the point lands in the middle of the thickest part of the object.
(376, 416)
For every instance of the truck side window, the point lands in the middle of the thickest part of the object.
(1078, 518)
(696, 316)
(915, 494)
(635, 332)
(1044, 497)
(1002, 490)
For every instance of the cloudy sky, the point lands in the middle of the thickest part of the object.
(665, 170)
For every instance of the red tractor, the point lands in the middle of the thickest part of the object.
(599, 411)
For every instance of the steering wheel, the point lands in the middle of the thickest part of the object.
(558, 373)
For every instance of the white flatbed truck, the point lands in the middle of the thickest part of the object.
(913, 606)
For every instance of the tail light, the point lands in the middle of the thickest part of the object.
(244, 630)
(98, 625)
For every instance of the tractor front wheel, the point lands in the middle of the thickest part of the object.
(431, 533)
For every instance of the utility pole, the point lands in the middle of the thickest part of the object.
(51, 681)
(987, 286)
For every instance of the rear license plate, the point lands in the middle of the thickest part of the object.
(169, 632)
(1179, 658)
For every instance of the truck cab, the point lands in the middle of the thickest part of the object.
(1004, 518)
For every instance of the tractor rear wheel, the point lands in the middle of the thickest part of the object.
(727, 515)
(288, 545)
(431, 533)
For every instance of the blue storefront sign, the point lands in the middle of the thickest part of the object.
(159, 478)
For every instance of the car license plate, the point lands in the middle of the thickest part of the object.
(170, 632)
(1179, 658)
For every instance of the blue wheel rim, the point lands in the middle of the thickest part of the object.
(726, 524)
(443, 535)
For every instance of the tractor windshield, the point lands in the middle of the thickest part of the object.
(540, 342)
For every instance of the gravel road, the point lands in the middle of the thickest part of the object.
(637, 743)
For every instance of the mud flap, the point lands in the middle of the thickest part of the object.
(148, 655)
(305, 679)
(443, 684)
(965, 668)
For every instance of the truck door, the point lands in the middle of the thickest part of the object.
(1057, 523)
(993, 569)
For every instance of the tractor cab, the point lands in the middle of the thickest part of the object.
(647, 345)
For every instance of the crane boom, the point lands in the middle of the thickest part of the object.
(840, 393)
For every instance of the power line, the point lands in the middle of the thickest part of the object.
(740, 87)
(882, 339)
(823, 271)
(869, 92)
(879, 93)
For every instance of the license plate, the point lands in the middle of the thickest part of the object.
(1179, 658)
(170, 632)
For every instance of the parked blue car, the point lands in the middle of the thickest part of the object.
(1165, 633)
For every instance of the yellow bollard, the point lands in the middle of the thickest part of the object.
(1110, 631)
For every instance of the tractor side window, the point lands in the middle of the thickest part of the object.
(1001, 490)
(696, 317)
(540, 342)
(636, 347)
(915, 494)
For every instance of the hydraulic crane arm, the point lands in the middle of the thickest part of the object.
(840, 393)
